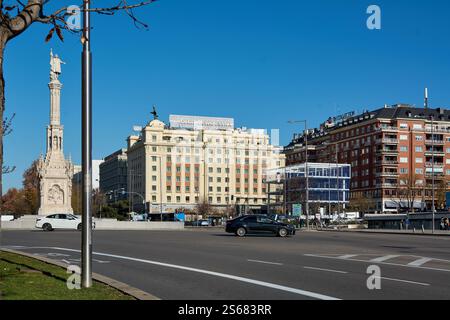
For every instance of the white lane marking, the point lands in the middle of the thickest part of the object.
(384, 258)
(406, 281)
(211, 273)
(386, 263)
(265, 262)
(419, 262)
(329, 270)
(347, 256)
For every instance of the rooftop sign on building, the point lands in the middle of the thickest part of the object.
(200, 123)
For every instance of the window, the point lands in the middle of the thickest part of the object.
(403, 125)
(169, 199)
(403, 137)
(419, 171)
(154, 178)
(403, 148)
(419, 160)
(153, 168)
(153, 158)
(419, 138)
(403, 170)
(419, 149)
(417, 126)
(403, 160)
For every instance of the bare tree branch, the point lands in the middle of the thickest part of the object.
(7, 169)
(60, 15)
(7, 125)
(24, 19)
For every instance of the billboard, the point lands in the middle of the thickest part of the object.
(200, 123)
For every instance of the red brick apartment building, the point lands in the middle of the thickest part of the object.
(391, 154)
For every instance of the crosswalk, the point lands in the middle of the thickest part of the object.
(411, 261)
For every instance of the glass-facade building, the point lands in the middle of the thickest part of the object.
(329, 184)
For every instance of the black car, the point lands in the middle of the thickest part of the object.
(258, 224)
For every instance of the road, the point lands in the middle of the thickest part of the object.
(210, 264)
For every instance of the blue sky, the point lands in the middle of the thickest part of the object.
(261, 62)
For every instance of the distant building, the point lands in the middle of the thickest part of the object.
(199, 160)
(78, 174)
(394, 153)
(113, 176)
(329, 188)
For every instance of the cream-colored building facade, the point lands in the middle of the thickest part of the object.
(174, 167)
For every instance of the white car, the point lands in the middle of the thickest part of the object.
(60, 221)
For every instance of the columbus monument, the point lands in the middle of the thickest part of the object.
(55, 172)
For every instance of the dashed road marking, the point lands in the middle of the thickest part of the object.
(384, 258)
(265, 262)
(406, 281)
(419, 262)
(327, 270)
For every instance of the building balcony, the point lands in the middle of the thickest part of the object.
(386, 185)
(436, 153)
(387, 151)
(435, 142)
(437, 175)
(387, 162)
(436, 165)
(387, 141)
(387, 174)
(387, 129)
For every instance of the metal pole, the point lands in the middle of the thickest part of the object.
(307, 177)
(160, 186)
(337, 183)
(433, 208)
(86, 243)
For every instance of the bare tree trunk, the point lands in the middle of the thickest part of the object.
(3, 39)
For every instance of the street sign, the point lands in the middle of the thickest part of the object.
(297, 209)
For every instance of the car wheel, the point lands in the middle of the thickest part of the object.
(282, 232)
(47, 227)
(79, 227)
(241, 232)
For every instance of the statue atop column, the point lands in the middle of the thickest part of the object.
(55, 66)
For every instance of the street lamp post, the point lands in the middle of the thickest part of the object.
(306, 168)
(86, 243)
(433, 208)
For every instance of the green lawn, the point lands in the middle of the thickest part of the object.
(23, 278)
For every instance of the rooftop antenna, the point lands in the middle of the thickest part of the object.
(426, 98)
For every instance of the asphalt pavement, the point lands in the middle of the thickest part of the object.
(211, 264)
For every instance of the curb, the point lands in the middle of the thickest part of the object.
(120, 286)
(389, 232)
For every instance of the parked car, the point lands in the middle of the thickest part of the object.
(60, 221)
(201, 223)
(258, 224)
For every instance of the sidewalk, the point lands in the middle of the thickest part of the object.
(389, 231)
